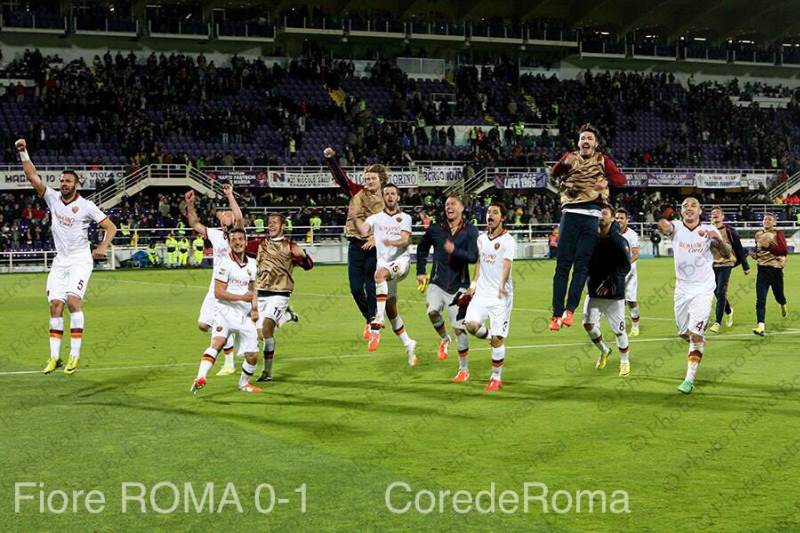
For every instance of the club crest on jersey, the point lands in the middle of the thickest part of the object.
(399, 219)
(219, 328)
(497, 246)
(75, 208)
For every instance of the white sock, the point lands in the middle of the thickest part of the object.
(695, 355)
(623, 355)
(75, 334)
(209, 357)
(622, 341)
(247, 371)
(56, 332)
(381, 293)
(635, 313)
(597, 339)
(498, 358)
(228, 351)
(400, 330)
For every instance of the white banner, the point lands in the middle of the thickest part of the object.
(433, 176)
(324, 180)
(720, 181)
(12, 179)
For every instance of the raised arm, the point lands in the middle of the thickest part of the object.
(28, 168)
(339, 175)
(238, 217)
(615, 177)
(717, 244)
(665, 227)
(191, 215)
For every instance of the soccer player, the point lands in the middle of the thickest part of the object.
(70, 216)
(365, 200)
(693, 246)
(492, 292)
(609, 268)
(585, 176)
(276, 257)
(723, 267)
(455, 246)
(391, 229)
(220, 249)
(770, 255)
(632, 279)
(236, 311)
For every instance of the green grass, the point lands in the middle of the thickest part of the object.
(348, 423)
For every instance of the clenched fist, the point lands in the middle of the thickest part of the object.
(328, 152)
(21, 145)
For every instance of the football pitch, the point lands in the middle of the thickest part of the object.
(347, 440)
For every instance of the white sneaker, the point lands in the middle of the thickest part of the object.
(411, 350)
(729, 319)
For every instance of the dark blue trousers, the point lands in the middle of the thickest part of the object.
(768, 277)
(361, 273)
(723, 275)
(577, 237)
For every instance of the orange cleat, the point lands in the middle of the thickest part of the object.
(374, 340)
(250, 388)
(555, 324)
(198, 384)
(566, 318)
(493, 385)
(367, 332)
(443, 345)
(461, 377)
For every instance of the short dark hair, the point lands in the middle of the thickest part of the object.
(457, 197)
(502, 207)
(717, 207)
(237, 230)
(73, 174)
(591, 129)
(279, 215)
(392, 186)
(623, 211)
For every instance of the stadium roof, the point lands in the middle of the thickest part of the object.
(761, 20)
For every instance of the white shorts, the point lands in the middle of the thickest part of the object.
(69, 275)
(207, 309)
(613, 309)
(439, 300)
(229, 321)
(691, 311)
(271, 307)
(398, 270)
(497, 311)
(632, 287)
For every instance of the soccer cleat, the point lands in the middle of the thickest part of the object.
(555, 324)
(367, 332)
(566, 318)
(198, 384)
(293, 316)
(52, 364)
(250, 388)
(624, 370)
(72, 366)
(686, 387)
(443, 345)
(714, 327)
(264, 377)
(374, 336)
(729, 319)
(461, 377)
(226, 370)
(602, 360)
(411, 350)
(760, 329)
(784, 311)
(634, 329)
(493, 385)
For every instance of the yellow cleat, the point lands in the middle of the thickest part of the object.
(602, 360)
(784, 311)
(760, 329)
(52, 364)
(634, 329)
(714, 327)
(72, 366)
(624, 370)
(226, 370)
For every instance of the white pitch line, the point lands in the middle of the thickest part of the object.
(369, 355)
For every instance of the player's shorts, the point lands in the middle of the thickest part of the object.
(271, 307)
(613, 309)
(691, 310)
(69, 276)
(228, 320)
(497, 311)
(439, 300)
(398, 270)
(207, 309)
(632, 287)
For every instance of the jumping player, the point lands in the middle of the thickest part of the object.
(492, 292)
(585, 175)
(694, 245)
(70, 216)
(392, 231)
(770, 255)
(723, 267)
(632, 279)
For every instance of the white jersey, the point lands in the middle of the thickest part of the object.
(385, 226)
(220, 249)
(491, 255)
(70, 222)
(633, 242)
(694, 263)
(238, 277)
